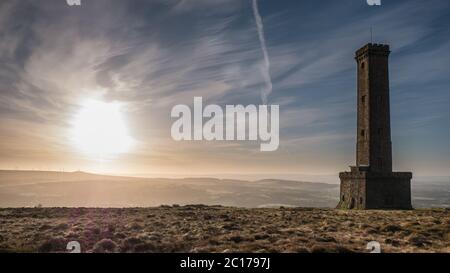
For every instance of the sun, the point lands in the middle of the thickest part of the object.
(99, 129)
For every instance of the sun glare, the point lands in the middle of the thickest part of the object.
(99, 129)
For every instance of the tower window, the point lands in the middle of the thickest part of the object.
(360, 200)
(363, 64)
(363, 99)
(343, 197)
(363, 133)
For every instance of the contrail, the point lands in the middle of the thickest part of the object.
(262, 40)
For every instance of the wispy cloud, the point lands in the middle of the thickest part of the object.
(151, 55)
(266, 69)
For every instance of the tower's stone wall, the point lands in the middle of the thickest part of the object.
(374, 130)
(362, 189)
(371, 184)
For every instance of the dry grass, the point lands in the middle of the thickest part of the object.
(199, 228)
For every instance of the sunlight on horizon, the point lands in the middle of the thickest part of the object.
(99, 129)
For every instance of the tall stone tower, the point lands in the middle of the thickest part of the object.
(371, 184)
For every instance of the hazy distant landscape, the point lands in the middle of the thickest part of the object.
(206, 215)
(79, 189)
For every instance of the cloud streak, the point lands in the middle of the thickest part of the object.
(266, 68)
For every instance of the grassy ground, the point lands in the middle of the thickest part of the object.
(222, 229)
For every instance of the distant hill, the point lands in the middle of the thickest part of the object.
(79, 189)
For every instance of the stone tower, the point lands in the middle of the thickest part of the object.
(371, 184)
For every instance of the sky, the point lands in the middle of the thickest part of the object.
(144, 57)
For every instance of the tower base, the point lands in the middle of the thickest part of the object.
(363, 189)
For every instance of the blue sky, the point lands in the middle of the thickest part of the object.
(152, 55)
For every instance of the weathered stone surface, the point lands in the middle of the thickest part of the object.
(371, 184)
(370, 190)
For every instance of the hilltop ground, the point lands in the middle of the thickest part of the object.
(200, 228)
